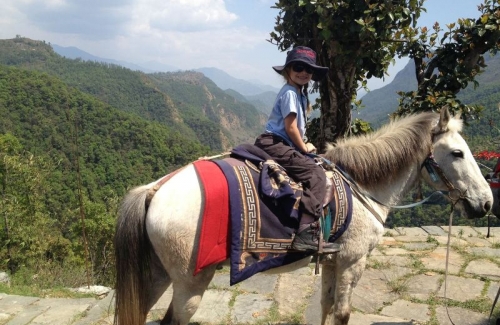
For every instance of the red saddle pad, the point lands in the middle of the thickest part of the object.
(214, 236)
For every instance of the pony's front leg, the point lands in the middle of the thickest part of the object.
(338, 283)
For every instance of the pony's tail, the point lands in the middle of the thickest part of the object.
(132, 256)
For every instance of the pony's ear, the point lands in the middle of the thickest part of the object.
(444, 118)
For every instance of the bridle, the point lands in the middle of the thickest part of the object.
(436, 173)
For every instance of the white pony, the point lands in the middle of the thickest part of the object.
(496, 204)
(156, 246)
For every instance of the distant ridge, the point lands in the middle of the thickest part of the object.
(225, 81)
(72, 52)
(380, 103)
(222, 79)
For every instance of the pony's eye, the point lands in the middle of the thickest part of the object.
(457, 153)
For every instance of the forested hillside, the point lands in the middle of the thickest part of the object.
(75, 136)
(380, 103)
(56, 141)
(163, 99)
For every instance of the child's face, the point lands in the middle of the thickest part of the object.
(300, 74)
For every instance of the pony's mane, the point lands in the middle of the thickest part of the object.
(380, 157)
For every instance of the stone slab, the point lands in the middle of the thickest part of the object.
(101, 309)
(422, 286)
(13, 304)
(391, 232)
(385, 261)
(461, 289)
(494, 232)
(484, 268)
(420, 246)
(454, 241)
(478, 242)
(313, 310)
(221, 281)
(164, 300)
(250, 308)
(370, 319)
(434, 230)
(492, 291)
(260, 283)
(407, 310)
(388, 241)
(63, 312)
(409, 239)
(214, 307)
(486, 251)
(395, 251)
(412, 232)
(27, 315)
(372, 292)
(462, 231)
(292, 287)
(436, 260)
(460, 316)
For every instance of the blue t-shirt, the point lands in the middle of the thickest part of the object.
(289, 100)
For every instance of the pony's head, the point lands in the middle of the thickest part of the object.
(427, 145)
(495, 209)
(454, 169)
(494, 181)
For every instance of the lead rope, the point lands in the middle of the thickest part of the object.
(447, 259)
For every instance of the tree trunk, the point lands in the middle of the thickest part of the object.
(336, 95)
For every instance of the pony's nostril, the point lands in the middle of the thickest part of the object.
(487, 206)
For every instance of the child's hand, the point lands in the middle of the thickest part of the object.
(310, 148)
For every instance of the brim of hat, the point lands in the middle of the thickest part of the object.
(318, 74)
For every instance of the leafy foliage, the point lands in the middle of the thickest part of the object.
(186, 101)
(49, 129)
(446, 61)
(355, 39)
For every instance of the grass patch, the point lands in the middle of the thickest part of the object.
(398, 286)
(479, 305)
(415, 263)
(378, 264)
(432, 240)
(57, 292)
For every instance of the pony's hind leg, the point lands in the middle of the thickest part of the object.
(160, 281)
(187, 297)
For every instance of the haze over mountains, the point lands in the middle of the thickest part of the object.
(221, 78)
(378, 104)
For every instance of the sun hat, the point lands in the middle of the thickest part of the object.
(307, 56)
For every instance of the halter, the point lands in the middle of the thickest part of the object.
(436, 173)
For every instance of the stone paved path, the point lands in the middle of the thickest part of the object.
(402, 285)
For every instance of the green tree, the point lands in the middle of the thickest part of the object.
(358, 39)
(30, 234)
(447, 60)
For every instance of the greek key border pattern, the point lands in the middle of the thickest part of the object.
(250, 217)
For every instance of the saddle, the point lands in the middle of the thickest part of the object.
(263, 213)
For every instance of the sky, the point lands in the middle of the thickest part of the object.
(230, 35)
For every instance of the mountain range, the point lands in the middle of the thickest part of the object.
(380, 103)
(377, 104)
(222, 79)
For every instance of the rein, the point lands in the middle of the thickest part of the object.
(455, 195)
(435, 171)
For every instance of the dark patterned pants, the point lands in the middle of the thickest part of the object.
(301, 169)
